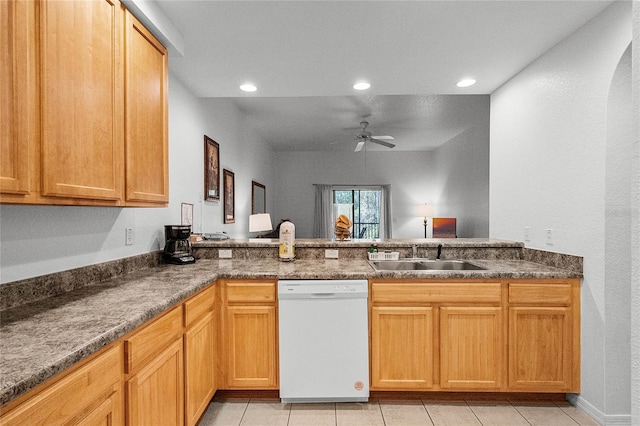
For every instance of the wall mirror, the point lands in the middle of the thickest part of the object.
(258, 198)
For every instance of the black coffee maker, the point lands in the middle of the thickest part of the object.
(177, 248)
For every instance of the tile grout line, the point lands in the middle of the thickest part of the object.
(473, 412)
(427, 410)
(244, 411)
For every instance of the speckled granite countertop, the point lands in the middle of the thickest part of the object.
(43, 338)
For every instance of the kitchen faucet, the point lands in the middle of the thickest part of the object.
(439, 252)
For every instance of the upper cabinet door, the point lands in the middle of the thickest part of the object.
(146, 146)
(82, 99)
(18, 130)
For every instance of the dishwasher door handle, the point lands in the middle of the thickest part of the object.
(323, 295)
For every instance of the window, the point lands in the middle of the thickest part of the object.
(366, 207)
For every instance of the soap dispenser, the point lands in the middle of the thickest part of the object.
(287, 241)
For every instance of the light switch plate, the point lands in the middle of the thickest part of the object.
(224, 254)
(331, 253)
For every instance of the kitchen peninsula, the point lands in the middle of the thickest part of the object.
(42, 340)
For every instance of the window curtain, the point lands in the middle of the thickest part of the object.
(385, 214)
(323, 212)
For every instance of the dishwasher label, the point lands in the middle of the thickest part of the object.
(358, 385)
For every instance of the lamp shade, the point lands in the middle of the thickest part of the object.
(425, 210)
(260, 222)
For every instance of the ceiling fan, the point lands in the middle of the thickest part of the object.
(365, 136)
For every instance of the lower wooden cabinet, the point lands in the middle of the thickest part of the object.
(89, 395)
(544, 344)
(471, 347)
(155, 394)
(200, 359)
(475, 335)
(250, 345)
(155, 372)
(402, 347)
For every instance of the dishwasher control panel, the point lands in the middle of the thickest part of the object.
(322, 288)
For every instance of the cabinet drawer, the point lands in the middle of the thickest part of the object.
(67, 398)
(199, 305)
(389, 292)
(251, 291)
(540, 294)
(152, 338)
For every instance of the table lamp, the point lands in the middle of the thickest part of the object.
(260, 222)
(425, 211)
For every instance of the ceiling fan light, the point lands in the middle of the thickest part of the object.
(362, 85)
(248, 87)
(466, 82)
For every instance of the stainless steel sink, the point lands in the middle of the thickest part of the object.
(424, 265)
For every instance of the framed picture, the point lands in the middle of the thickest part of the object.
(187, 215)
(258, 198)
(228, 179)
(211, 169)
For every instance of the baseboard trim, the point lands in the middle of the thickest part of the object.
(597, 415)
(477, 397)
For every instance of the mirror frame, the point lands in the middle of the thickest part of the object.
(258, 189)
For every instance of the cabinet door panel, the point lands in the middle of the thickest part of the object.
(147, 164)
(540, 348)
(199, 368)
(402, 347)
(471, 347)
(109, 413)
(155, 395)
(82, 99)
(251, 347)
(17, 85)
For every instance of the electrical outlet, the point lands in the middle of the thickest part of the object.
(224, 254)
(128, 236)
(549, 237)
(331, 254)
(527, 233)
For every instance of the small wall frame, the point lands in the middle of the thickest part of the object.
(211, 169)
(228, 179)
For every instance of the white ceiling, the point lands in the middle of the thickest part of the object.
(304, 56)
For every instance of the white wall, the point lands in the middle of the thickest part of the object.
(38, 240)
(413, 177)
(635, 223)
(454, 178)
(548, 171)
(408, 172)
(242, 153)
(620, 138)
(461, 168)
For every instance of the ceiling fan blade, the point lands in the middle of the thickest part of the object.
(359, 146)
(379, 142)
(388, 138)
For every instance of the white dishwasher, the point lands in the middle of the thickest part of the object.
(324, 344)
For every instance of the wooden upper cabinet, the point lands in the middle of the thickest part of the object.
(82, 99)
(146, 69)
(83, 106)
(17, 87)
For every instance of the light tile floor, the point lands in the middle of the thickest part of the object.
(383, 413)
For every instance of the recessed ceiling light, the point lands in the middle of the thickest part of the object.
(248, 88)
(363, 85)
(466, 82)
